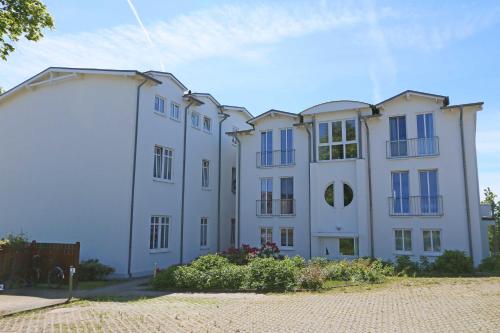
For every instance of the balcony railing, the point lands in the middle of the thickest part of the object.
(276, 207)
(416, 206)
(413, 147)
(267, 159)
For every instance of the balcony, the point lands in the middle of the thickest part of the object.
(276, 207)
(413, 147)
(416, 206)
(276, 158)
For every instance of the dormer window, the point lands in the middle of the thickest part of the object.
(207, 124)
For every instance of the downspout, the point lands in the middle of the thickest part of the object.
(309, 188)
(134, 164)
(225, 116)
(181, 252)
(238, 190)
(466, 184)
(370, 194)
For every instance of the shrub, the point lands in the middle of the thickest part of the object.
(165, 278)
(240, 256)
(209, 261)
(338, 270)
(406, 266)
(299, 262)
(269, 250)
(490, 265)
(321, 261)
(13, 240)
(454, 263)
(270, 274)
(359, 270)
(312, 277)
(188, 277)
(93, 270)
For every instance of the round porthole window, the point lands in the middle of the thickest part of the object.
(329, 195)
(348, 195)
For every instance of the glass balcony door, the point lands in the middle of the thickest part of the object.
(425, 131)
(398, 139)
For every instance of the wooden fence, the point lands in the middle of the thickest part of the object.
(20, 260)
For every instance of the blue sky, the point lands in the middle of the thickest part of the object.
(289, 55)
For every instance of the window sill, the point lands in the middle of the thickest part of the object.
(287, 248)
(196, 128)
(403, 253)
(431, 254)
(208, 132)
(159, 251)
(339, 160)
(206, 189)
(175, 119)
(159, 114)
(159, 180)
(204, 247)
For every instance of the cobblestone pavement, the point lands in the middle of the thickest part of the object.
(446, 305)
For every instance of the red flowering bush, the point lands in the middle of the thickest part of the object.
(269, 250)
(241, 256)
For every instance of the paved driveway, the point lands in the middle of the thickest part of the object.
(446, 305)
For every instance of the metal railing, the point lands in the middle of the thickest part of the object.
(416, 206)
(413, 147)
(267, 159)
(275, 207)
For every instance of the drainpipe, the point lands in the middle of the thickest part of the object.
(134, 164)
(466, 184)
(181, 254)
(309, 188)
(370, 200)
(224, 117)
(238, 191)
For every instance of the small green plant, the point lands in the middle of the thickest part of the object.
(93, 270)
(312, 277)
(453, 263)
(406, 266)
(266, 274)
(490, 265)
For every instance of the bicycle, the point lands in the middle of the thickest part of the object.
(55, 277)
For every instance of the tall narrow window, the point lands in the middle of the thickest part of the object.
(400, 193)
(232, 236)
(159, 232)
(205, 173)
(204, 232)
(174, 111)
(432, 240)
(195, 119)
(233, 138)
(399, 143)
(266, 148)
(163, 158)
(266, 196)
(427, 144)
(337, 146)
(403, 240)
(286, 236)
(428, 192)
(207, 124)
(324, 142)
(233, 179)
(159, 104)
(266, 235)
(286, 152)
(351, 145)
(286, 202)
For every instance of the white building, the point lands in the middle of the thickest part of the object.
(346, 179)
(140, 171)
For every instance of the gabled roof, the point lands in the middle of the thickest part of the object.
(170, 76)
(271, 113)
(71, 73)
(340, 105)
(445, 99)
(239, 109)
(209, 96)
(457, 106)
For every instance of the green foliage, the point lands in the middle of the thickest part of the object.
(490, 198)
(453, 263)
(321, 261)
(312, 277)
(270, 274)
(93, 270)
(406, 266)
(359, 270)
(490, 265)
(209, 262)
(21, 18)
(15, 241)
(299, 262)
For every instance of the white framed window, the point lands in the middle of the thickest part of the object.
(207, 124)
(233, 138)
(232, 237)
(159, 104)
(338, 140)
(159, 232)
(163, 158)
(286, 236)
(432, 240)
(175, 111)
(266, 196)
(266, 235)
(195, 119)
(402, 239)
(205, 173)
(204, 232)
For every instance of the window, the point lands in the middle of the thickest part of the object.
(232, 236)
(207, 124)
(428, 192)
(266, 235)
(233, 179)
(204, 232)
(432, 240)
(330, 195)
(195, 119)
(338, 140)
(286, 152)
(163, 163)
(266, 196)
(286, 184)
(286, 237)
(427, 145)
(400, 192)
(159, 232)
(347, 247)
(174, 111)
(233, 138)
(348, 195)
(266, 148)
(159, 104)
(397, 132)
(403, 240)
(205, 173)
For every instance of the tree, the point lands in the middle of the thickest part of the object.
(493, 231)
(20, 18)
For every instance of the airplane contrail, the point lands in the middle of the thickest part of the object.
(145, 31)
